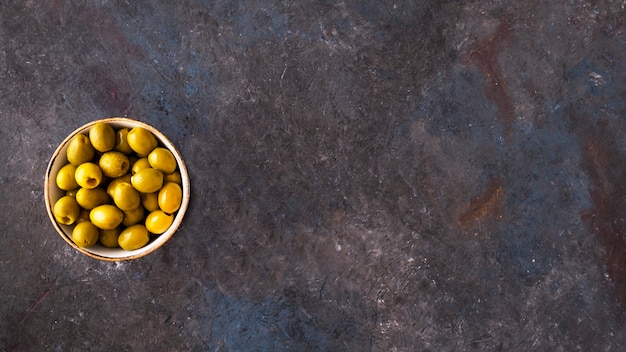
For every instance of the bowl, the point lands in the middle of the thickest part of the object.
(52, 193)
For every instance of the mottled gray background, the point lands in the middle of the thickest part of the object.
(366, 175)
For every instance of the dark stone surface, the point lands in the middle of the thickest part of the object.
(366, 175)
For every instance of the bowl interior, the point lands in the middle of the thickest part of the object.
(53, 193)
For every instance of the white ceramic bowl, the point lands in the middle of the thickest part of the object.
(52, 193)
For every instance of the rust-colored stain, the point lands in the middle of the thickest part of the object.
(487, 203)
(603, 162)
(484, 54)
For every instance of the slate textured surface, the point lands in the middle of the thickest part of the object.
(366, 175)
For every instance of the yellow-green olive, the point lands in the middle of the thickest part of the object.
(139, 165)
(114, 164)
(133, 237)
(91, 198)
(126, 197)
(102, 137)
(170, 196)
(108, 238)
(79, 150)
(133, 216)
(115, 182)
(162, 159)
(150, 201)
(121, 141)
(141, 141)
(85, 234)
(173, 177)
(147, 180)
(88, 175)
(83, 215)
(65, 179)
(106, 216)
(158, 221)
(66, 210)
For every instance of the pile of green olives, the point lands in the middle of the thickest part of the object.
(122, 188)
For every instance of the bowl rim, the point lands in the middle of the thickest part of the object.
(184, 186)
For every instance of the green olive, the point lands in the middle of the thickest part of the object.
(173, 177)
(139, 165)
(91, 198)
(66, 210)
(170, 196)
(132, 159)
(141, 141)
(133, 237)
(108, 238)
(83, 216)
(106, 216)
(85, 234)
(147, 180)
(114, 164)
(150, 201)
(115, 182)
(88, 175)
(79, 150)
(162, 159)
(158, 221)
(65, 178)
(133, 216)
(121, 141)
(126, 197)
(102, 137)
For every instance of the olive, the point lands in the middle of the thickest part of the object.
(114, 164)
(116, 182)
(139, 165)
(125, 196)
(108, 238)
(170, 197)
(158, 221)
(91, 198)
(85, 234)
(66, 210)
(150, 201)
(102, 137)
(141, 141)
(88, 175)
(133, 237)
(121, 141)
(147, 180)
(79, 150)
(65, 178)
(173, 177)
(83, 216)
(132, 159)
(106, 216)
(162, 159)
(71, 193)
(133, 216)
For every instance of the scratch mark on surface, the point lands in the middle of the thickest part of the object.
(34, 305)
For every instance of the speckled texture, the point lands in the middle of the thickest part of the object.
(365, 175)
